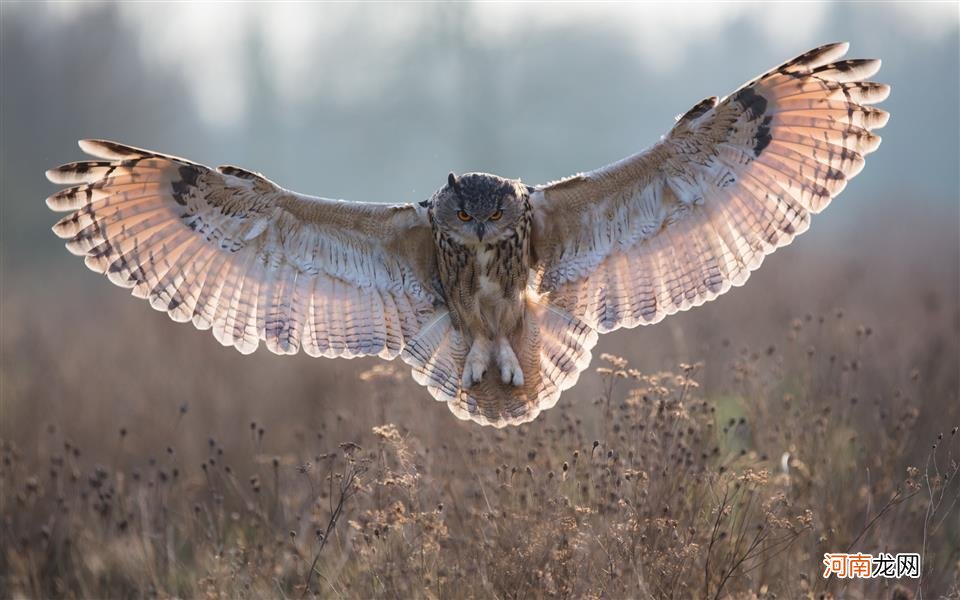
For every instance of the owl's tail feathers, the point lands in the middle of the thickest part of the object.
(553, 347)
(437, 354)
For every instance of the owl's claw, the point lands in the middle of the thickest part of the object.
(510, 371)
(472, 373)
(475, 367)
(511, 375)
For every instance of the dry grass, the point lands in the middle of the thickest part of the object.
(736, 446)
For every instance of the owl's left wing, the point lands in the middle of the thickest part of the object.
(680, 223)
(234, 252)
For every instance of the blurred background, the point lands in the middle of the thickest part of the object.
(378, 102)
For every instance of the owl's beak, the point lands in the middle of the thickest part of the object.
(480, 230)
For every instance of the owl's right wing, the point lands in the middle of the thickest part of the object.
(680, 223)
(231, 251)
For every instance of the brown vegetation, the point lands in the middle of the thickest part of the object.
(140, 458)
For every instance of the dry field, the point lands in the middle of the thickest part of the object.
(719, 454)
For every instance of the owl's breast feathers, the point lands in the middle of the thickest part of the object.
(484, 284)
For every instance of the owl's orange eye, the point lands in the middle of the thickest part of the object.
(496, 215)
(463, 216)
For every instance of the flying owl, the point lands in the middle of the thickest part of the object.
(493, 291)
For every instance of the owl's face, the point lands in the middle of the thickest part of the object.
(478, 208)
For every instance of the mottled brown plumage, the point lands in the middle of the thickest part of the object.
(484, 276)
(492, 291)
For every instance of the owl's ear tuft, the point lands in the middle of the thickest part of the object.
(452, 181)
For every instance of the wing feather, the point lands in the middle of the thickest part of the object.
(233, 252)
(680, 223)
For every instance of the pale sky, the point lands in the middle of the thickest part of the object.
(296, 34)
(377, 102)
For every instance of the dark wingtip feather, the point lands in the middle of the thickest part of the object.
(819, 56)
(111, 150)
(76, 172)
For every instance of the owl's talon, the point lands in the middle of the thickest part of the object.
(510, 371)
(475, 366)
(511, 375)
(472, 373)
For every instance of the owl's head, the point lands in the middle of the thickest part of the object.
(479, 208)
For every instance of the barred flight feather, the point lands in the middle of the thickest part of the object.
(679, 224)
(235, 253)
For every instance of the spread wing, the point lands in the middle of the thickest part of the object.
(231, 251)
(680, 223)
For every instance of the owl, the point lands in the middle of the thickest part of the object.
(493, 291)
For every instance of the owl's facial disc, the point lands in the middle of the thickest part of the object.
(478, 208)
